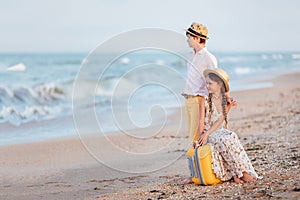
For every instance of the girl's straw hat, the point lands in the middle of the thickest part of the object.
(220, 73)
(198, 30)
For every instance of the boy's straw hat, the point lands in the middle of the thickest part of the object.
(198, 30)
(220, 73)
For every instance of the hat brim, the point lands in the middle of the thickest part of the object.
(211, 71)
(205, 38)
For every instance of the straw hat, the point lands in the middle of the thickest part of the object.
(198, 30)
(221, 74)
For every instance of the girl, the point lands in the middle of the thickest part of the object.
(229, 158)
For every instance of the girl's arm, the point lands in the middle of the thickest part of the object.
(214, 127)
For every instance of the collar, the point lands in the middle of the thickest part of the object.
(201, 50)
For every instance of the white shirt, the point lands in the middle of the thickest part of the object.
(195, 81)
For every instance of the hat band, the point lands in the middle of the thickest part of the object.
(194, 32)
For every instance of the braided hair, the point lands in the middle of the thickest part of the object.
(224, 99)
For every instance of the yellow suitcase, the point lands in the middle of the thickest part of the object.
(200, 164)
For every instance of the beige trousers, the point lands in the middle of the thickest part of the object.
(192, 108)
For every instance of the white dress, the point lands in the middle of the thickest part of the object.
(228, 155)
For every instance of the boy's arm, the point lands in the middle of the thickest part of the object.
(201, 116)
(231, 101)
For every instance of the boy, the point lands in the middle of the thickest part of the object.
(195, 89)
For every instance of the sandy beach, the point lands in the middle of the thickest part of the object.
(266, 120)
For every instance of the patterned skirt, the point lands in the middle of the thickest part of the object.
(228, 155)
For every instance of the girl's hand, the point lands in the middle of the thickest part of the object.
(203, 139)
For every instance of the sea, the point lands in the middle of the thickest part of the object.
(40, 92)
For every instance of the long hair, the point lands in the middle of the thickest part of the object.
(224, 100)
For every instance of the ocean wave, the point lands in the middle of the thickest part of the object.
(274, 56)
(40, 94)
(17, 117)
(24, 104)
(242, 70)
(160, 62)
(53, 92)
(277, 56)
(66, 62)
(50, 92)
(17, 68)
(125, 60)
(231, 59)
(6, 95)
(29, 103)
(295, 56)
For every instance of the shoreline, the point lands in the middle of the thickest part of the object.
(63, 168)
(247, 85)
(236, 94)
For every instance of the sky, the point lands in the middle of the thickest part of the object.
(81, 25)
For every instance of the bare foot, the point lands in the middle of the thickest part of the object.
(238, 180)
(248, 178)
(186, 181)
